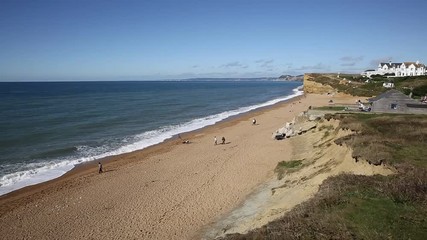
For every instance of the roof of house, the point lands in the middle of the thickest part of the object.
(416, 64)
(390, 64)
(390, 93)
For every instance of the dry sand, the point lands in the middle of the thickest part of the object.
(168, 191)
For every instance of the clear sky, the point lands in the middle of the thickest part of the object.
(157, 39)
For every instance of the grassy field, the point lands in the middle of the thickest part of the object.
(365, 207)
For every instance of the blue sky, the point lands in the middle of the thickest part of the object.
(148, 40)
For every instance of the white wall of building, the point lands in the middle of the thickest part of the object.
(398, 69)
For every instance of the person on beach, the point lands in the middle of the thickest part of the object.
(223, 140)
(99, 167)
(183, 141)
(215, 141)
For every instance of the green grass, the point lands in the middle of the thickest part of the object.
(289, 164)
(370, 215)
(284, 167)
(374, 216)
(415, 154)
(399, 138)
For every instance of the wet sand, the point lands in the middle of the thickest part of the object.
(168, 191)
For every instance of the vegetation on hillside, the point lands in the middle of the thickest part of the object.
(358, 85)
(287, 167)
(416, 85)
(366, 207)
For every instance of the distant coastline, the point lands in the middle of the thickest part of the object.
(292, 78)
(281, 78)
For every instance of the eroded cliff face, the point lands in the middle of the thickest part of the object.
(311, 86)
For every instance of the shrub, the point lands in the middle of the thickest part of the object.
(287, 167)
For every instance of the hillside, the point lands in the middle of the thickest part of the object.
(357, 85)
(354, 202)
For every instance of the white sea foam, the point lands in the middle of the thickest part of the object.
(45, 171)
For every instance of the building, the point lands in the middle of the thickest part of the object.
(411, 69)
(398, 69)
(388, 68)
(394, 101)
(388, 85)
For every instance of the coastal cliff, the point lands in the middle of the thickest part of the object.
(343, 182)
(311, 86)
(315, 158)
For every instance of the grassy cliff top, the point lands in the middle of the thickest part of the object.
(358, 85)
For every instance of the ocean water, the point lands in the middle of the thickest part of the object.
(47, 128)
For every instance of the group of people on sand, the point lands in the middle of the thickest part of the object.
(254, 122)
(216, 140)
(223, 138)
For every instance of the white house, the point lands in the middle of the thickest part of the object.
(398, 69)
(411, 69)
(387, 68)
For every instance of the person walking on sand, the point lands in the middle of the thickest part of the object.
(215, 141)
(223, 140)
(99, 167)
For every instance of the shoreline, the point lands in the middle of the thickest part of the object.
(113, 161)
(179, 188)
(47, 176)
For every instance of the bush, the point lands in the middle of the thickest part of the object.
(420, 91)
(287, 167)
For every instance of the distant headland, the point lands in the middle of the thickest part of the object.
(292, 78)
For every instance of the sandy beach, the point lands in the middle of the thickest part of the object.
(168, 191)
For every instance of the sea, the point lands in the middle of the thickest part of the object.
(47, 128)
